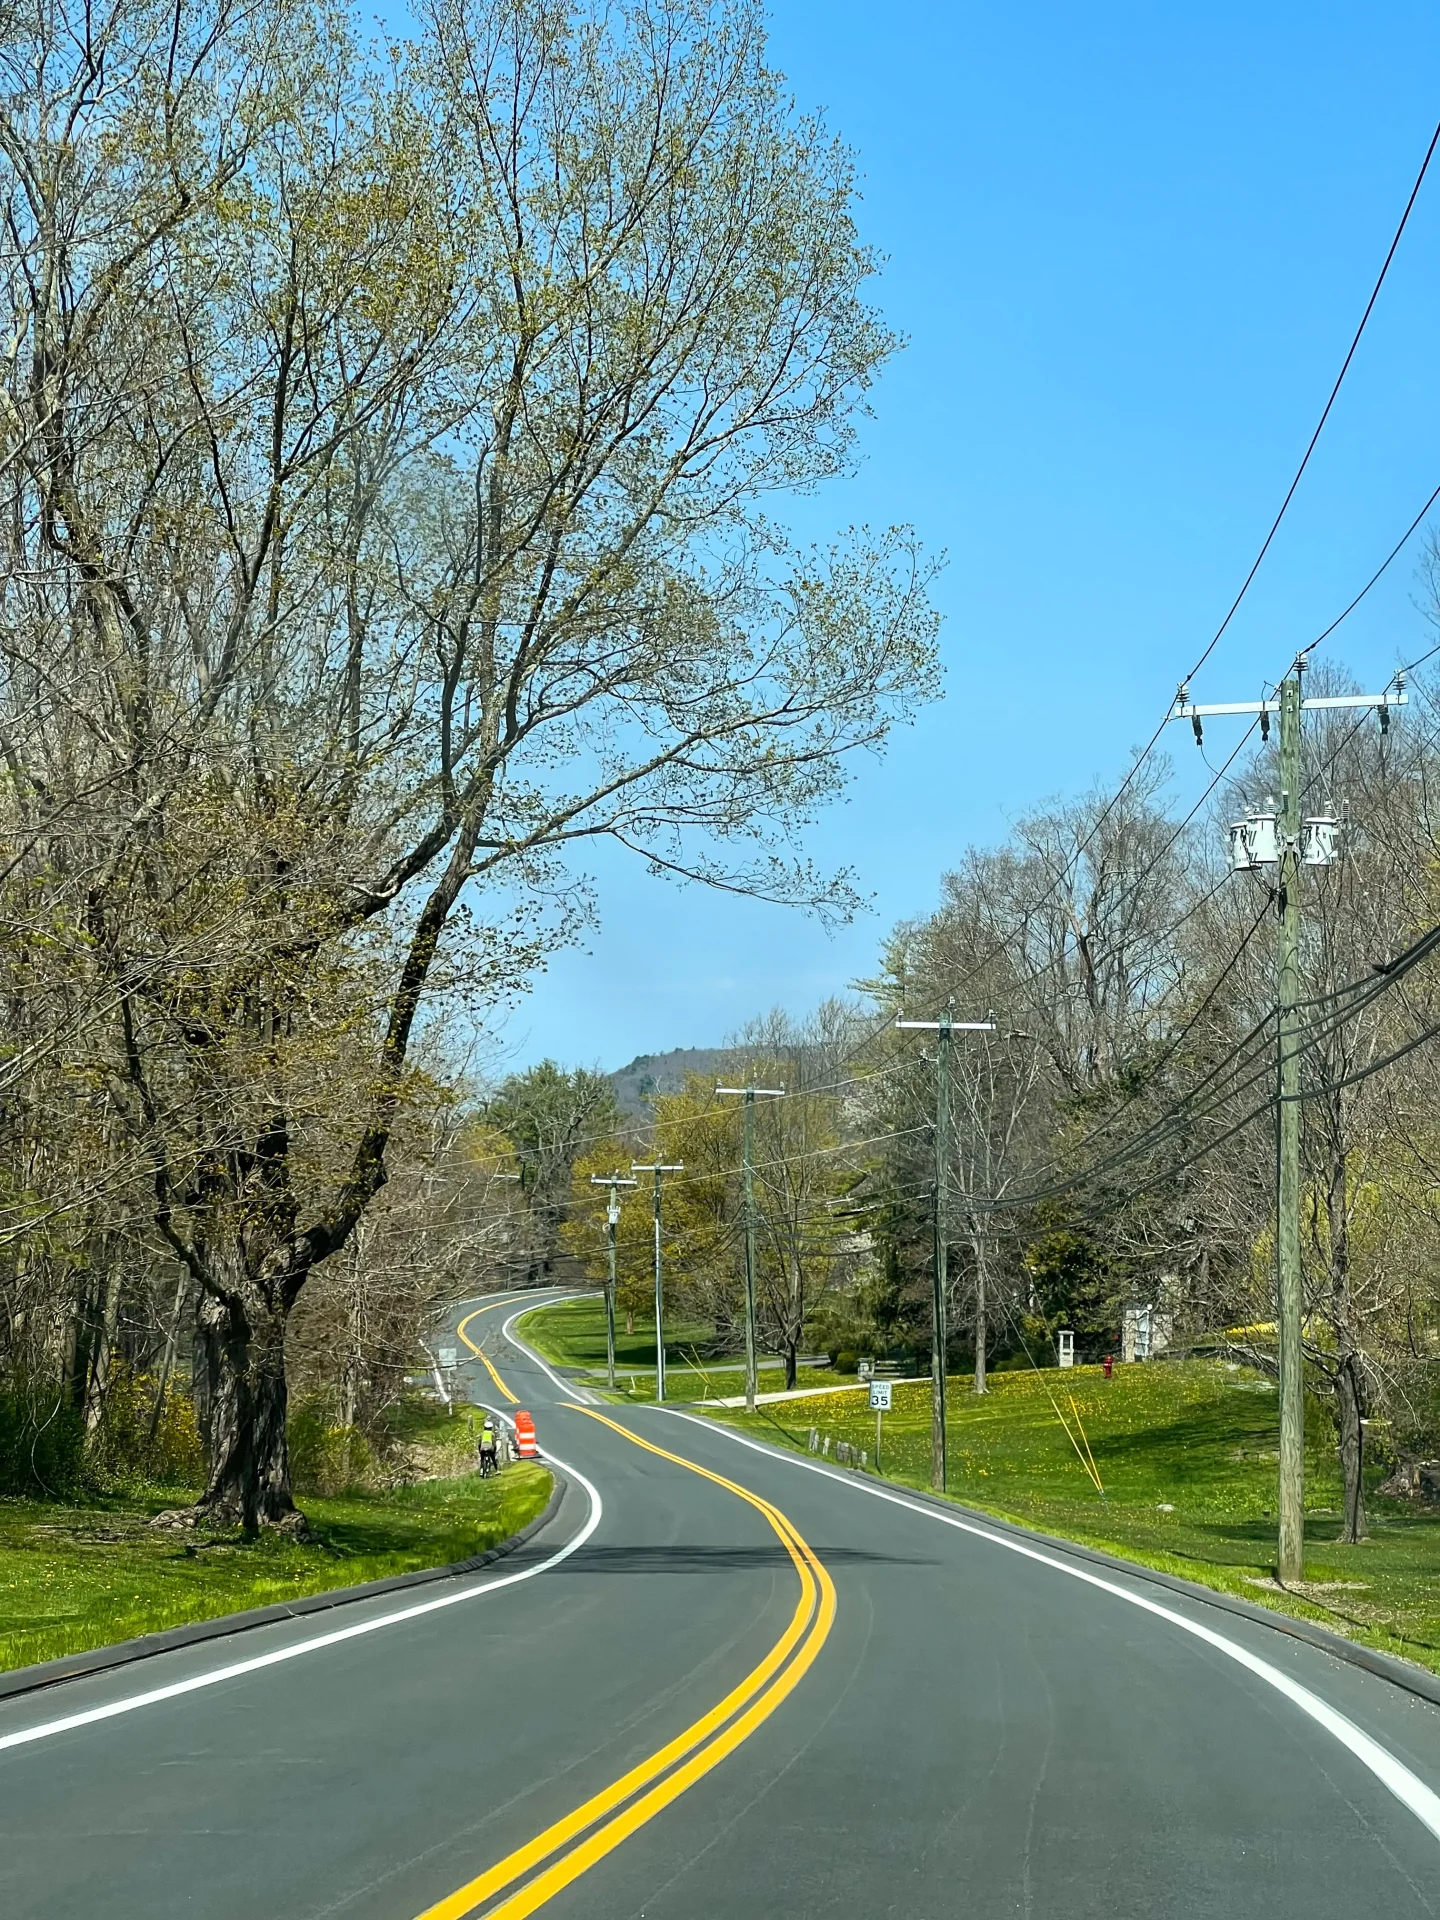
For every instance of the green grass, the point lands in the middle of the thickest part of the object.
(72, 1578)
(685, 1379)
(572, 1334)
(1196, 1437)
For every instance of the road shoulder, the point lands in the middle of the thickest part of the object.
(77, 1666)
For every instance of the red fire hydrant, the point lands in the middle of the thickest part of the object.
(1109, 1365)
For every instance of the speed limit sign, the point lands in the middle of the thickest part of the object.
(880, 1396)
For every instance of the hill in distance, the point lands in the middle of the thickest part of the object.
(662, 1073)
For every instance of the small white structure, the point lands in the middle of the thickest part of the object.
(1254, 842)
(1065, 1341)
(1144, 1332)
(1320, 841)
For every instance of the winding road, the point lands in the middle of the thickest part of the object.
(722, 1682)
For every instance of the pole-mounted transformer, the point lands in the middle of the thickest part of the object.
(1256, 841)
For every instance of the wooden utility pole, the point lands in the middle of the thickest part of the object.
(750, 1095)
(658, 1170)
(1290, 1545)
(1287, 842)
(614, 1181)
(940, 1329)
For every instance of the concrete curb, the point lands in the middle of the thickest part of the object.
(79, 1666)
(1384, 1666)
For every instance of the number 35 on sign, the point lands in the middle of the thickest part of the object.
(880, 1396)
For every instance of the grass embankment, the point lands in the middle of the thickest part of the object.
(1186, 1453)
(74, 1577)
(572, 1334)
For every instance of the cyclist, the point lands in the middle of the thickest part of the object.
(489, 1450)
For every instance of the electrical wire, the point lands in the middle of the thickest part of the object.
(1366, 1072)
(1430, 655)
(1003, 945)
(1325, 413)
(1375, 577)
(1284, 507)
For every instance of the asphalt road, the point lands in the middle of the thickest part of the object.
(680, 1701)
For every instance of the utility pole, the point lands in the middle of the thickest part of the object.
(658, 1170)
(940, 1331)
(1288, 842)
(612, 1220)
(750, 1094)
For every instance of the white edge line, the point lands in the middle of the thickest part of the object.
(154, 1695)
(567, 1387)
(1407, 1787)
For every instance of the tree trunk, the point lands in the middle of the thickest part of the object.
(796, 1316)
(249, 1483)
(75, 1356)
(1350, 1387)
(350, 1371)
(980, 1312)
(167, 1364)
(99, 1381)
(1350, 1401)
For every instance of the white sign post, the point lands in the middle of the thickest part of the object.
(879, 1406)
(448, 1357)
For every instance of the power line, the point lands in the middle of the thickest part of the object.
(1325, 413)
(1375, 577)
(1002, 945)
(1246, 584)
(1430, 655)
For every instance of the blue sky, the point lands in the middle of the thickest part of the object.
(1127, 245)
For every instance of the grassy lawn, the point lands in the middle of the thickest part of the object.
(572, 1334)
(72, 1578)
(687, 1379)
(1186, 1454)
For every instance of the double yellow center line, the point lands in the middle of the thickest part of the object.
(599, 1825)
(479, 1352)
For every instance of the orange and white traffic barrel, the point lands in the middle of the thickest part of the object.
(524, 1435)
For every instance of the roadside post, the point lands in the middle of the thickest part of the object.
(879, 1406)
